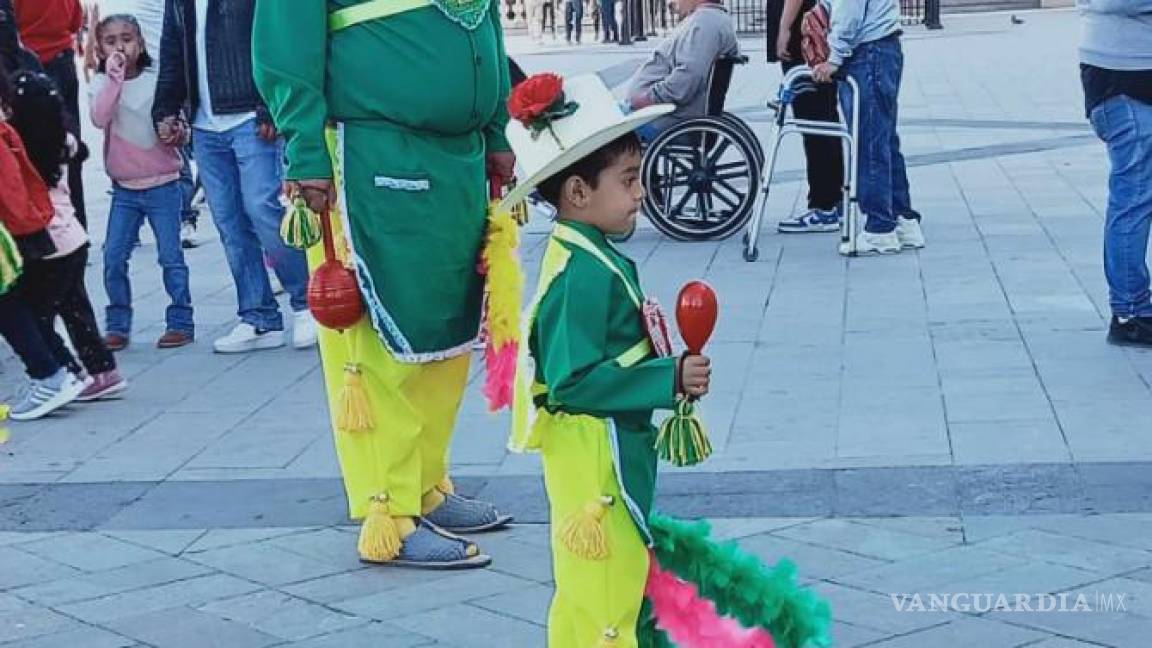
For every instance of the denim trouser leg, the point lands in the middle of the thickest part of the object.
(220, 173)
(881, 175)
(187, 186)
(261, 181)
(123, 230)
(162, 208)
(1125, 125)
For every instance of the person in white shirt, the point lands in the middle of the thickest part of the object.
(206, 62)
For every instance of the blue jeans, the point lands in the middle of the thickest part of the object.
(1125, 125)
(242, 175)
(160, 206)
(187, 187)
(882, 177)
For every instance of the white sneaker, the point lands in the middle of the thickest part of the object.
(870, 243)
(42, 397)
(304, 330)
(188, 238)
(909, 232)
(245, 338)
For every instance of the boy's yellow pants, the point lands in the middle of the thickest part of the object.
(596, 599)
(414, 407)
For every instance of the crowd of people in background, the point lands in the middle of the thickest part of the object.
(607, 20)
(162, 97)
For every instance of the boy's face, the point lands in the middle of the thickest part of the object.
(612, 206)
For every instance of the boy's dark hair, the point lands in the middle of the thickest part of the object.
(144, 61)
(589, 167)
(38, 116)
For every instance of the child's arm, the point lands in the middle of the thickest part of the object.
(105, 99)
(573, 334)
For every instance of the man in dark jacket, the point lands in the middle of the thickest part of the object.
(206, 65)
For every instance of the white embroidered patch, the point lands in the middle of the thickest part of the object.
(402, 184)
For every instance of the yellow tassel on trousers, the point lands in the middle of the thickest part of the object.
(582, 533)
(446, 486)
(354, 413)
(379, 535)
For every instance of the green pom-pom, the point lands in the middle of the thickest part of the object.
(683, 441)
(301, 227)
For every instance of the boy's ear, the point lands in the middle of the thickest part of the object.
(575, 191)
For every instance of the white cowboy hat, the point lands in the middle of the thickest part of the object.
(597, 121)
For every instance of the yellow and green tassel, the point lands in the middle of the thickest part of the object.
(683, 441)
(301, 228)
(11, 262)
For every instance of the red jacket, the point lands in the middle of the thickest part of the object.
(25, 206)
(48, 27)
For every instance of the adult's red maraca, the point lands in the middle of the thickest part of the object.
(333, 293)
(696, 313)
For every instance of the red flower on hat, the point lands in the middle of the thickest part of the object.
(538, 101)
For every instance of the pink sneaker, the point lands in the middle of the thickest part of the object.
(109, 384)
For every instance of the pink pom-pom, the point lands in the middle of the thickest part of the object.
(692, 621)
(501, 374)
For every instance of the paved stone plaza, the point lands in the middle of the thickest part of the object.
(943, 422)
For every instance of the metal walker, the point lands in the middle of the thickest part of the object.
(799, 80)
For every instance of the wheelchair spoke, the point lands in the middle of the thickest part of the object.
(723, 195)
(728, 187)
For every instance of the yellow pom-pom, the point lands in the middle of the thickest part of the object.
(446, 486)
(301, 227)
(379, 535)
(583, 531)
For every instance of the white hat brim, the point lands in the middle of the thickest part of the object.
(581, 149)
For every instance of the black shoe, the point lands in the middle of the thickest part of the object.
(1134, 331)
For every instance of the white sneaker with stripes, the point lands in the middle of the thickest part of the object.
(42, 397)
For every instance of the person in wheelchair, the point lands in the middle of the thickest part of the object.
(678, 71)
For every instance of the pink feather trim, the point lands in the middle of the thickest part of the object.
(692, 621)
(501, 375)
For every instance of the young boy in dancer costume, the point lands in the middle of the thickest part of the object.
(596, 363)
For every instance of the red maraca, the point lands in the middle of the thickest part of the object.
(682, 440)
(333, 293)
(696, 312)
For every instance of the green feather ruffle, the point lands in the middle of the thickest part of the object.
(740, 585)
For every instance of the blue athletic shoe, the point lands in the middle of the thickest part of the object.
(814, 220)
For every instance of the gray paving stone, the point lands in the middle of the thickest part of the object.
(171, 541)
(95, 585)
(527, 561)
(1109, 629)
(327, 545)
(220, 538)
(930, 572)
(32, 622)
(813, 562)
(19, 537)
(1121, 594)
(847, 635)
(877, 612)
(19, 568)
(359, 584)
(373, 635)
(966, 632)
(280, 615)
(865, 540)
(529, 604)
(188, 628)
(471, 627)
(1073, 552)
(266, 563)
(1129, 530)
(433, 595)
(194, 591)
(86, 637)
(90, 551)
(1002, 441)
(949, 528)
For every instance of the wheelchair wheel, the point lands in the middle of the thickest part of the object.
(702, 177)
(749, 135)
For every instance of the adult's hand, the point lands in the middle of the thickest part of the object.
(641, 100)
(824, 72)
(268, 132)
(318, 194)
(502, 165)
(782, 42)
(169, 131)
